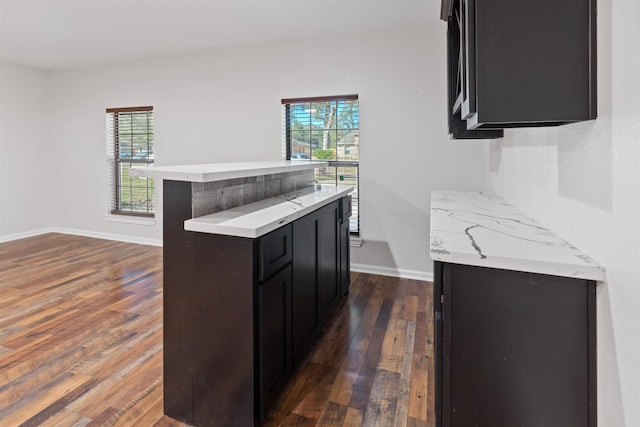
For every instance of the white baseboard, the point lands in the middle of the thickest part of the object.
(25, 234)
(108, 236)
(394, 272)
(85, 233)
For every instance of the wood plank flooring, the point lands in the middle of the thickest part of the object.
(81, 343)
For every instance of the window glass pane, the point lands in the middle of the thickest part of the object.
(323, 115)
(326, 175)
(135, 194)
(300, 116)
(322, 145)
(300, 137)
(299, 144)
(347, 176)
(140, 150)
(347, 116)
(124, 123)
(140, 123)
(348, 144)
(125, 149)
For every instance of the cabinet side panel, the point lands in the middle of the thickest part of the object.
(457, 126)
(222, 311)
(592, 349)
(437, 333)
(519, 349)
(177, 320)
(345, 267)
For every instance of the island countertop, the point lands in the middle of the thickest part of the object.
(223, 171)
(259, 218)
(482, 229)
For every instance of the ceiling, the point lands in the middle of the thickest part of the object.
(59, 34)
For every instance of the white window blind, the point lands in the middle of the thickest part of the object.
(130, 144)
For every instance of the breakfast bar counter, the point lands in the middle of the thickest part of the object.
(255, 260)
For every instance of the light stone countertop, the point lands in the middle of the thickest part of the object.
(482, 229)
(223, 171)
(259, 218)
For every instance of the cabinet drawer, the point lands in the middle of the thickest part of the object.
(274, 251)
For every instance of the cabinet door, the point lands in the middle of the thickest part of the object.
(518, 349)
(535, 63)
(274, 336)
(345, 268)
(305, 290)
(274, 251)
(328, 284)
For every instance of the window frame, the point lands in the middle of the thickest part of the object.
(114, 144)
(286, 103)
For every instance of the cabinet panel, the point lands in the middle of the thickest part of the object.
(274, 332)
(274, 251)
(328, 284)
(515, 349)
(219, 323)
(305, 291)
(519, 64)
(458, 126)
(533, 61)
(177, 272)
(345, 267)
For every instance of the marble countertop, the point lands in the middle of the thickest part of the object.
(222, 171)
(482, 229)
(259, 218)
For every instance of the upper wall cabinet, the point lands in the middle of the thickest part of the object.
(516, 63)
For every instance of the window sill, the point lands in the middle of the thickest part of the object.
(126, 219)
(355, 241)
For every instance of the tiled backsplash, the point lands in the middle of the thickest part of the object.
(210, 197)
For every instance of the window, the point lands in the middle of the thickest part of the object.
(129, 144)
(326, 129)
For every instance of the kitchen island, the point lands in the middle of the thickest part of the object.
(256, 257)
(515, 314)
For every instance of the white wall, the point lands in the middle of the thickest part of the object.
(583, 181)
(225, 106)
(25, 150)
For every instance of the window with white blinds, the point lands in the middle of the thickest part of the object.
(130, 144)
(327, 129)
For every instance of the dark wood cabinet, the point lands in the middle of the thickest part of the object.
(316, 260)
(455, 80)
(344, 244)
(241, 313)
(328, 261)
(513, 348)
(274, 251)
(273, 346)
(305, 294)
(519, 64)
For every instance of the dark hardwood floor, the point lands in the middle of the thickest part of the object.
(81, 343)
